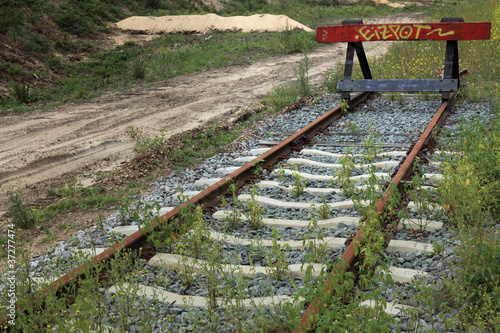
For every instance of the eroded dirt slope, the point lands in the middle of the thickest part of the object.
(44, 148)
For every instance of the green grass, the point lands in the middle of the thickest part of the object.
(203, 145)
(470, 195)
(85, 198)
(163, 58)
(223, 49)
(26, 214)
(49, 238)
(311, 12)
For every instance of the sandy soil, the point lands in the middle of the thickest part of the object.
(48, 147)
(210, 22)
(390, 4)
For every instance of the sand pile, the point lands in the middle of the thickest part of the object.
(390, 4)
(209, 22)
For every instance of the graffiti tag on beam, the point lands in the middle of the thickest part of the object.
(399, 32)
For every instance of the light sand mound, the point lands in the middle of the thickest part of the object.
(209, 22)
(390, 4)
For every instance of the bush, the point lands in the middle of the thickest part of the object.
(139, 70)
(12, 17)
(294, 40)
(55, 62)
(302, 75)
(144, 142)
(471, 191)
(283, 95)
(20, 211)
(153, 4)
(70, 20)
(10, 68)
(83, 17)
(484, 279)
(20, 93)
(129, 43)
(331, 77)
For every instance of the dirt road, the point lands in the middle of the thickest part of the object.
(48, 147)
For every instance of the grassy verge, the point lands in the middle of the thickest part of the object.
(470, 193)
(163, 58)
(71, 196)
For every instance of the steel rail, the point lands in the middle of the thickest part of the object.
(350, 257)
(206, 198)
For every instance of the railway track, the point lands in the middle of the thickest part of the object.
(276, 222)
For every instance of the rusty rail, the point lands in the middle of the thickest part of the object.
(349, 258)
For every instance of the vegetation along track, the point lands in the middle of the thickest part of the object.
(270, 234)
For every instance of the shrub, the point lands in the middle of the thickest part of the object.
(70, 20)
(282, 95)
(12, 17)
(471, 190)
(144, 142)
(10, 68)
(294, 40)
(302, 75)
(153, 4)
(331, 77)
(20, 93)
(139, 70)
(484, 279)
(54, 62)
(20, 211)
